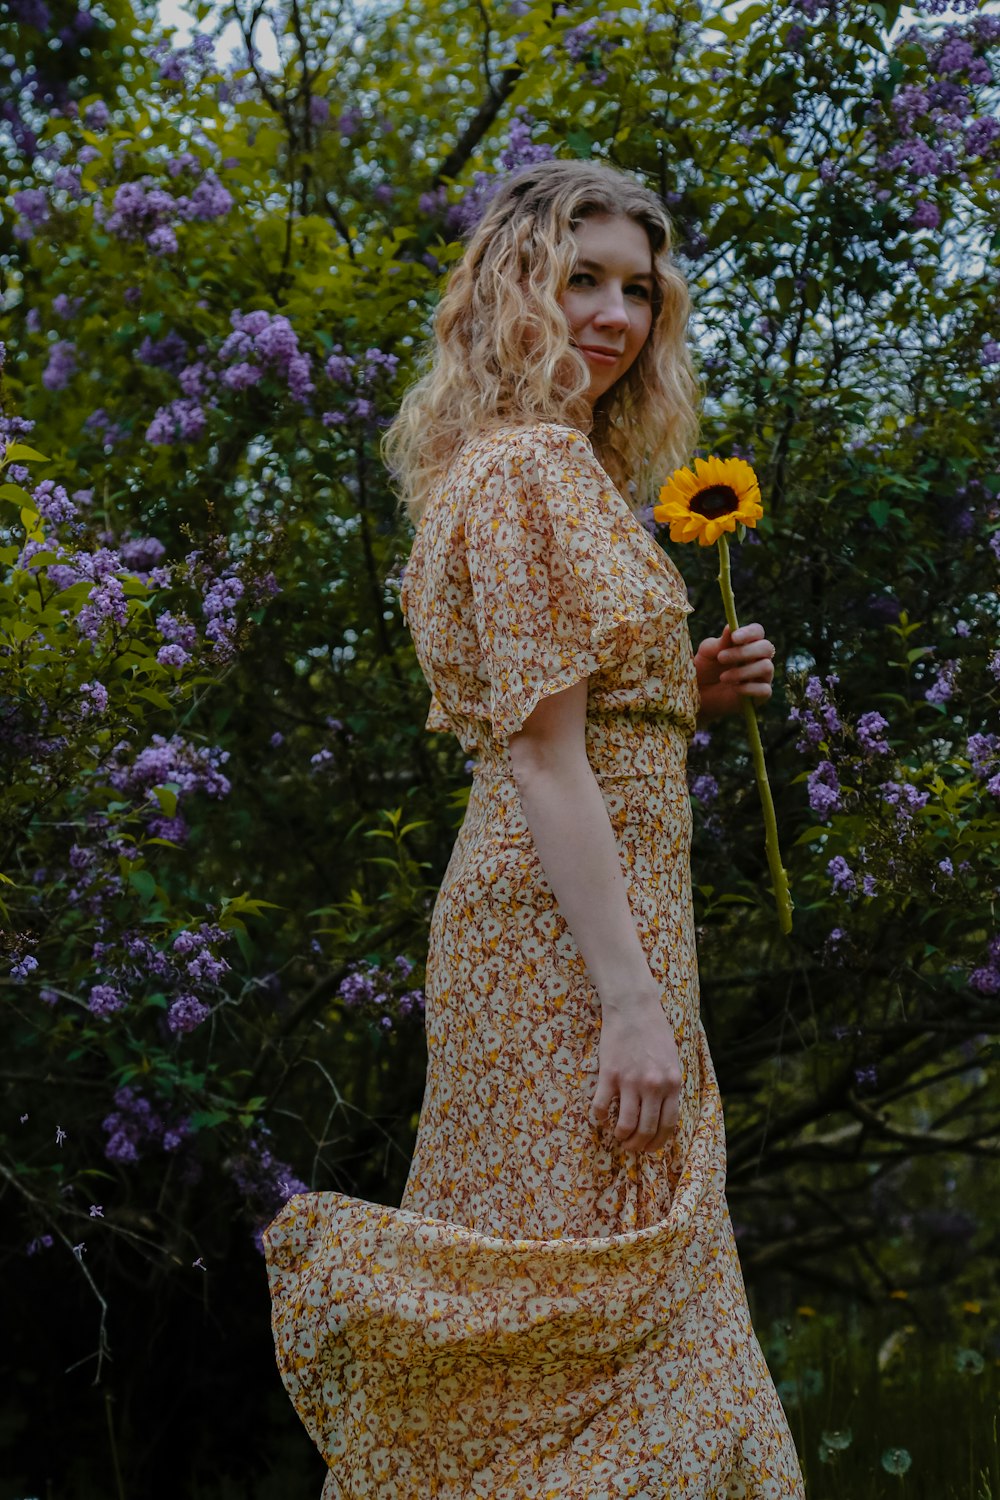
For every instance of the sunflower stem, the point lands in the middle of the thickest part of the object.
(779, 879)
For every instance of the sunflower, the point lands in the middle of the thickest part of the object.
(720, 495)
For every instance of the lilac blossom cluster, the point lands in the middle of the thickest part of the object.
(190, 964)
(582, 45)
(983, 751)
(141, 211)
(704, 787)
(986, 980)
(362, 377)
(929, 130)
(137, 1123)
(265, 1182)
(219, 586)
(174, 762)
(942, 688)
(261, 346)
(860, 757)
(106, 602)
(521, 151)
(186, 65)
(380, 994)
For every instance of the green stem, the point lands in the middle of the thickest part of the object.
(779, 879)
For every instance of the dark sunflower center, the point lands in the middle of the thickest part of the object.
(718, 500)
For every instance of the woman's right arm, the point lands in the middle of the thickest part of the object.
(565, 811)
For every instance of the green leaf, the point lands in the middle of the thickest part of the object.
(15, 494)
(21, 453)
(144, 883)
(205, 1119)
(880, 510)
(166, 796)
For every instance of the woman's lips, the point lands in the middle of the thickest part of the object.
(600, 359)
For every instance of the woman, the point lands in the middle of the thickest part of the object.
(557, 1308)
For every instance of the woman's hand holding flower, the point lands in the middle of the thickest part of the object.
(732, 667)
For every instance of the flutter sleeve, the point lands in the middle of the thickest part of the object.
(566, 581)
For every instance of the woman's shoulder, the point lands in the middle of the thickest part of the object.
(527, 437)
(528, 453)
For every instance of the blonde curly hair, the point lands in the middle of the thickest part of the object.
(478, 370)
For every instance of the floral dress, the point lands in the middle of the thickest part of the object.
(545, 1315)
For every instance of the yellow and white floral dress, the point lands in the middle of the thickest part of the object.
(545, 1315)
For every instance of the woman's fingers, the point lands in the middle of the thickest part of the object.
(754, 651)
(668, 1124)
(646, 1124)
(751, 671)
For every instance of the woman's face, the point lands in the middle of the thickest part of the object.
(609, 299)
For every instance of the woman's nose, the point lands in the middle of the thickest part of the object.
(614, 311)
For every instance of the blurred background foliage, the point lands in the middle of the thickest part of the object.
(223, 824)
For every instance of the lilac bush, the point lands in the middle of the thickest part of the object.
(217, 282)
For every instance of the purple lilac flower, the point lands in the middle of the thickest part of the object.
(95, 698)
(174, 762)
(265, 1182)
(356, 989)
(175, 830)
(135, 1123)
(177, 629)
(811, 729)
(142, 553)
(824, 790)
(926, 215)
(173, 656)
(106, 602)
(869, 729)
(186, 1013)
(52, 502)
(61, 365)
(842, 874)
(411, 1002)
(578, 42)
(705, 788)
(169, 353)
(982, 752)
(23, 967)
(943, 686)
(463, 216)
(105, 1000)
(180, 421)
(903, 796)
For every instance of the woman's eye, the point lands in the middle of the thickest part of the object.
(586, 276)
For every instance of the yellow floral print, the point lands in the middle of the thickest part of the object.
(545, 1315)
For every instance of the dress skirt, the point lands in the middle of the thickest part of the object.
(545, 1315)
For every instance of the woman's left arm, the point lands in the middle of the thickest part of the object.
(732, 667)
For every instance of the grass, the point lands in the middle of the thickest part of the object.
(879, 1407)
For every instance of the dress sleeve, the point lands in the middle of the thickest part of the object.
(566, 581)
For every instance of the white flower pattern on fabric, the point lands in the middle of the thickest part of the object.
(545, 1315)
